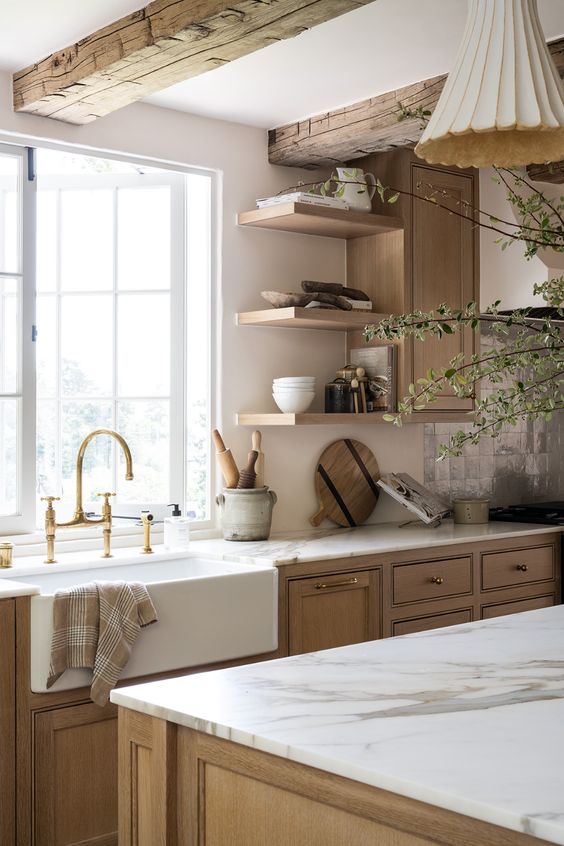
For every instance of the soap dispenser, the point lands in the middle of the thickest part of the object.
(176, 529)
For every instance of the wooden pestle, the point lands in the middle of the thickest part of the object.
(226, 461)
(259, 466)
(247, 476)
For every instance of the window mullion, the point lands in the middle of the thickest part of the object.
(115, 318)
(177, 453)
(27, 385)
(58, 343)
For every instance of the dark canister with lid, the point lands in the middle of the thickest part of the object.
(338, 397)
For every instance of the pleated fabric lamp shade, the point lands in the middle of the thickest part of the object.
(503, 102)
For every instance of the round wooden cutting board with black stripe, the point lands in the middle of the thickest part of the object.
(345, 481)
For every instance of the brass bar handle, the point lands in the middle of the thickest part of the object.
(437, 580)
(323, 585)
(522, 567)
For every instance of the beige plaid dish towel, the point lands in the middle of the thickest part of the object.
(95, 626)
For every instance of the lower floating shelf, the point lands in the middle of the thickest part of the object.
(374, 418)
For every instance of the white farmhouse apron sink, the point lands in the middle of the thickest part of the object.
(208, 611)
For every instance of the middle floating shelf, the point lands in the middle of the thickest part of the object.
(309, 318)
(371, 419)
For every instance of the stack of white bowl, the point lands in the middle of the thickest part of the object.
(293, 394)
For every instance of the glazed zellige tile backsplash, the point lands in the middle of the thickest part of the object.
(525, 463)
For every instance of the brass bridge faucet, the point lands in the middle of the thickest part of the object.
(79, 518)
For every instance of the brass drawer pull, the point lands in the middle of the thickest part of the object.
(322, 585)
(437, 580)
(522, 567)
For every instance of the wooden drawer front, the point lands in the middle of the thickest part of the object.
(516, 567)
(432, 579)
(435, 621)
(502, 608)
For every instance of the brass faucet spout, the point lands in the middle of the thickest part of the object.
(79, 518)
(80, 460)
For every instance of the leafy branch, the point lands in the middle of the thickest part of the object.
(527, 360)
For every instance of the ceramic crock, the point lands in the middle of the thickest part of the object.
(246, 514)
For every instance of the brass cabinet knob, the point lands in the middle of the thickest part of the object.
(437, 580)
(522, 567)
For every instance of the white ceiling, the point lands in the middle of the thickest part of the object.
(374, 49)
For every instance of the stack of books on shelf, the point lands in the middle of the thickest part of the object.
(302, 197)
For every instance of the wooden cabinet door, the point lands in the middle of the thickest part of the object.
(7, 723)
(333, 610)
(443, 259)
(75, 774)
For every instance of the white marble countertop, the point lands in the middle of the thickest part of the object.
(468, 718)
(10, 588)
(324, 544)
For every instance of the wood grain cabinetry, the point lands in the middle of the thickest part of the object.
(180, 786)
(75, 769)
(7, 723)
(328, 604)
(333, 610)
(500, 609)
(431, 579)
(432, 621)
(434, 260)
(517, 567)
(58, 767)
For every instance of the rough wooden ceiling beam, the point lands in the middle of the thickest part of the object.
(166, 42)
(369, 126)
(547, 173)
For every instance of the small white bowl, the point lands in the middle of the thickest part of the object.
(278, 390)
(294, 403)
(296, 380)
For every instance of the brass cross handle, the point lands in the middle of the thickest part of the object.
(106, 507)
(50, 500)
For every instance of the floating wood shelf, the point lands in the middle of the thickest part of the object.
(279, 419)
(319, 220)
(309, 318)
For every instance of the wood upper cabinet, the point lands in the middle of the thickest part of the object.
(433, 261)
(333, 610)
(75, 775)
(442, 266)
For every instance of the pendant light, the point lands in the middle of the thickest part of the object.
(503, 102)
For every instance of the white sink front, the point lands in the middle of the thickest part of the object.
(208, 611)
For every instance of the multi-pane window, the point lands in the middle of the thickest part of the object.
(123, 303)
(16, 301)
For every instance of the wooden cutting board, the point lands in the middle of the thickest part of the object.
(345, 481)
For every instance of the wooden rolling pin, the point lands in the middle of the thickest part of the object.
(259, 466)
(247, 475)
(226, 461)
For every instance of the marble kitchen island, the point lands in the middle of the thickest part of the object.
(451, 736)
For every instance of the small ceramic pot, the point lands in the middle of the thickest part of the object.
(471, 510)
(246, 514)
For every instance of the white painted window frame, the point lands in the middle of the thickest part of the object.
(177, 393)
(24, 518)
(22, 527)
